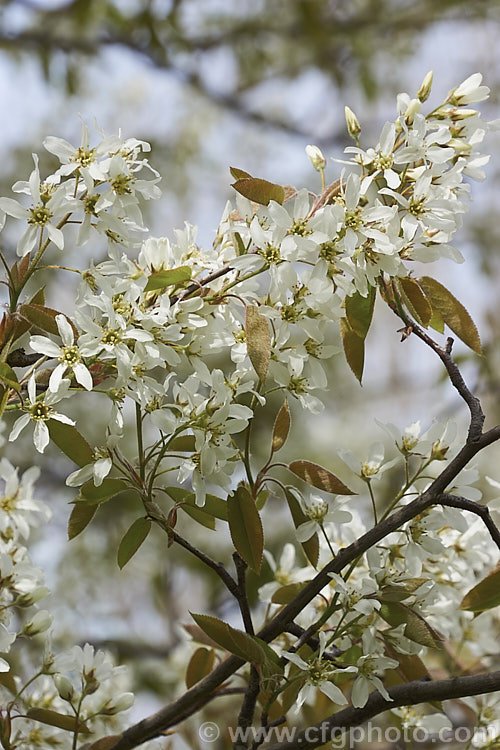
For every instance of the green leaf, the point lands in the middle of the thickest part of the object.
(354, 348)
(286, 593)
(359, 311)
(415, 300)
(417, 629)
(214, 505)
(411, 666)
(39, 297)
(200, 664)
(70, 442)
(92, 495)
(169, 277)
(245, 527)
(132, 540)
(281, 427)
(437, 322)
(8, 682)
(239, 174)
(81, 515)
(9, 377)
(485, 595)
(453, 312)
(241, 249)
(199, 515)
(261, 499)
(236, 641)
(310, 546)
(55, 719)
(258, 339)
(182, 444)
(318, 477)
(259, 191)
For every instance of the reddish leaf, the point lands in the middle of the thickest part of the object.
(200, 664)
(319, 477)
(452, 312)
(258, 339)
(485, 595)
(354, 348)
(259, 191)
(415, 300)
(239, 174)
(281, 427)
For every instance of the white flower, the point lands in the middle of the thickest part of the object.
(68, 354)
(470, 91)
(320, 511)
(49, 202)
(319, 674)
(40, 411)
(6, 640)
(18, 508)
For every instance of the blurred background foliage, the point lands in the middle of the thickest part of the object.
(250, 83)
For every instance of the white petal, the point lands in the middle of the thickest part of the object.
(334, 693)
(19, 425)
(80, 476)
(65, 330)
(13, 208)
(41, 437)
(101, 469)
(56, 236)
(62, 418)
(43, 345)
(83, 376)
(56, 377)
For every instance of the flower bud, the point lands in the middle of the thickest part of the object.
(425, 87)
(30, 598)
(352, 121)
(316, 157)
(38, 624)
(412, 109)
(121, 703)
(64, 687)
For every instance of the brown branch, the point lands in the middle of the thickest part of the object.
(476, 441)
(410, 694)
(157, 516)
(201, 693)
(453, 501)
(247, 711)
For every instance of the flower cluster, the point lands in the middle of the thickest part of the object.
(83, 683)
(197, 340)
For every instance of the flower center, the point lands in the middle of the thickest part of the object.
(121, 184)
(317, 509)
(353, 219)
(39, 215)
(300, 228)
(69, 355)
(271, 254)
(84, 156)
(40, 412)
(111, 337)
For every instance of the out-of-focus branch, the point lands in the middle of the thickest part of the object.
(409, 694)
